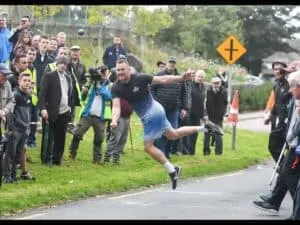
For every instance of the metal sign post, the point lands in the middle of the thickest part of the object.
(231, 50)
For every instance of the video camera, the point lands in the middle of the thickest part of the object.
(96, 73)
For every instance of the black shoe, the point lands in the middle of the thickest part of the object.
(26, 176)
(266, 198)
(266, 206)
(213, 128)
(8, 180)
(175, 176)
(206, 153)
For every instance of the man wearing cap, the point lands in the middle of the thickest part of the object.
(7, 104)
(215, 109)
(173, 98)
(77, 70)
(55, 105)
(111, 53)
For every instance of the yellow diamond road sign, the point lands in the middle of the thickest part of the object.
(231, 49)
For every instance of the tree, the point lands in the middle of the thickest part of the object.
(43, 11)
(149, 23)
(102, 13)
(200, 29)
(264, 29)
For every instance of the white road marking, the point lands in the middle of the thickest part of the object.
(31, 216)
(132, 194)
(196, 192)
(226, 175)
(138, 203)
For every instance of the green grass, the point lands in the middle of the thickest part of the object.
(81, 178)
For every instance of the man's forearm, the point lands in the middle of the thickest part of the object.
(116, 112)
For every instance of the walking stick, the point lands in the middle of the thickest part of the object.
(44, 150)
(130, 134)
(277, 163)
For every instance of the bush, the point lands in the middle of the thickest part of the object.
(253, 98)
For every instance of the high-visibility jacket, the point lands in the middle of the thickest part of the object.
(106, 112)
(53, 67)
(34, 96)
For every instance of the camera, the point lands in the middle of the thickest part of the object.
(97, 73)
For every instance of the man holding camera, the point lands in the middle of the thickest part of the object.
(24, 25)
(95, 111)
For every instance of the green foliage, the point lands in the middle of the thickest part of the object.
(149, 23)
(264, 28)
(102, 13)
(201, 28)
(42, 11)
(254, 98)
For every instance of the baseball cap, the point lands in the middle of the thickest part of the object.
(172, 59)
(75, 47)
(4, 69)
(216, 80)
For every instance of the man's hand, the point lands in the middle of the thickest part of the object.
(189, 75)
(183, 113)
(267, 118)
(44, 114)
(2, 114)
(113, 124)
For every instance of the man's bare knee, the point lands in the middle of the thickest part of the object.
(147, 146)
(172, 136)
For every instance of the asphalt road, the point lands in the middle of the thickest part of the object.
(222, 197)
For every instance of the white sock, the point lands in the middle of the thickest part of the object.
(169, 166)
(201, 129)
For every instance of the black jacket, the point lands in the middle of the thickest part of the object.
(171, 96)
(40, 68)
(22, 115)
(216, 104)
(198, 96)
(50, 94)
(282, 99)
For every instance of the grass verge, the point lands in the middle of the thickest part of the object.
(81, 178)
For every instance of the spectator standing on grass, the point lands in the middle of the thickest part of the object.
(42, 60)
(16, 150)
(95, 111)
(198, 95)
(215, 109)
(173, 98)
(112, 53)
(31, 56)
(55, 105)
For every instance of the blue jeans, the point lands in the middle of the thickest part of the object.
(163, 143)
